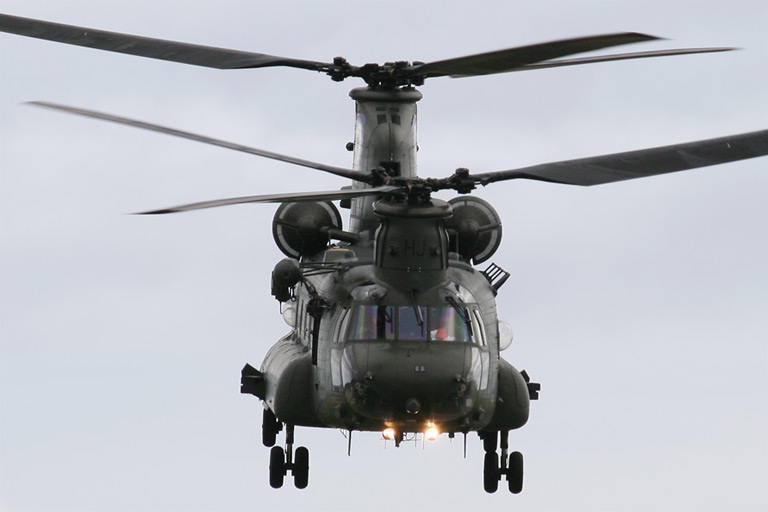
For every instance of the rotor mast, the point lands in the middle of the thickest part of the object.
(385, 138)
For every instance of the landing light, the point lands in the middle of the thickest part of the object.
(388, 433)
(431, 433)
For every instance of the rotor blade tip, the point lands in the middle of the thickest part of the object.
(647, 37)
(717, 49)
(44, 104)
(154, 212)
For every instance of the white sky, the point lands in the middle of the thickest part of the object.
(641, 307)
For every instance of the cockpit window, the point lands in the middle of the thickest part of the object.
(445, 324)
(414, 323)
(411, 325)
(370, 322)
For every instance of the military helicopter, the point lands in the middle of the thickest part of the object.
(394, 329)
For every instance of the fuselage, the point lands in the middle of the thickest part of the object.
(376, 364)
(393, 329)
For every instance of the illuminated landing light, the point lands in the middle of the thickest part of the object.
(431, 433)
(388, 433)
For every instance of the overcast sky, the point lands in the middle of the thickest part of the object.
(641, 307)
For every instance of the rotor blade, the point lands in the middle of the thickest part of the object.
(512, 59)
(638, 164)
(338, 171)
(198, 55)
(623, 56)
(331, 195)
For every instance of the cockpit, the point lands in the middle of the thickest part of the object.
(434, 323)
(395, 345)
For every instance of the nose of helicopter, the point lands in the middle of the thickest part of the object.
(402, 381)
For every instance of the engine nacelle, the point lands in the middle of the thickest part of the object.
(301, 229)
(474, 230)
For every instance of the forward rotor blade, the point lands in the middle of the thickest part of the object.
(512, 59)
(331, 195)
(642, 163)
(338, 171)
(198, 55)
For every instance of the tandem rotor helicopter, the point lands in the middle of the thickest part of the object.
(394, 326)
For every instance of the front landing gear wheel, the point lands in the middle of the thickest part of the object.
(276, 467)
(515, 473)
(491, 472)
(301, 468)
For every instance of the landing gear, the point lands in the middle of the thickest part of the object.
(276, 467)
(270, 426)
(491, 475)
(515, 473)
(283, 460)
(301, 468)
(494, 467)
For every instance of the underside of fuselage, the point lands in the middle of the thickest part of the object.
(393, 399)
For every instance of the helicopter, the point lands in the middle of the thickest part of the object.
(393, 329)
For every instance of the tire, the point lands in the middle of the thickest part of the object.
(490, 441)
(515, 472)
(269, 428)
(301, 468)
(276, 467)
(491, 472)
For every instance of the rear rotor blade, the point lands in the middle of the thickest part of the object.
(512, 59)
(338, 171)
(331, 195)
(638, 164)
(624, 56)
(198, 55)
(534, 56)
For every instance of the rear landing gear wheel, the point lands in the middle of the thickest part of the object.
(490, 441)
(276, 467)
(491, 472)
(270, 426)
(515, 473)
(301, 468)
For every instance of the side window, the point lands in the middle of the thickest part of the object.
(337, 350)
(341, 326)
(308, 324)
(300, 312)
(304, 323)
(478, 329)
(480, 367)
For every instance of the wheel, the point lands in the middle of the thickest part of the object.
(515, 472)
(490, 441)
(269, 428)
(491, 472)
(301, 467)
(276, 467)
